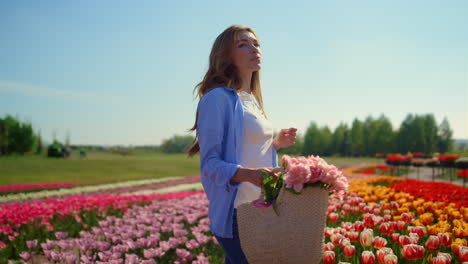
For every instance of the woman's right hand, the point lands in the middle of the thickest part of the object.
(252, 175)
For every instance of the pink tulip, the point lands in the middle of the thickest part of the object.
(297, 176)
(367, 257)
(412, 251)
(329, 257)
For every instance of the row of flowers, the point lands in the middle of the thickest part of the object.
(11, 188)
(165, 231)
(363, 226)
(378, 223)
(121, 186)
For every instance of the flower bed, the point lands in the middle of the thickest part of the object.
(14, 188)
(371, 222)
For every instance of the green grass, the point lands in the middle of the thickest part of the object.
(96, 168)
(105, 167)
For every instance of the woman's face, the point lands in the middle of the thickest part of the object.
(246, 53)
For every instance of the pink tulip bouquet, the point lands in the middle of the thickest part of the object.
(301, 172)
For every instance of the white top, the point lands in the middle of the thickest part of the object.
(257, 148)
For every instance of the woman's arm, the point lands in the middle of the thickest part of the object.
(211, 125)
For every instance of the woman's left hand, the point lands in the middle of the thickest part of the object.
(285, 138)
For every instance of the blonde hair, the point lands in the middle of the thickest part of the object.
(223, 72)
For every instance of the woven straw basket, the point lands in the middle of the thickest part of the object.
(294, 234)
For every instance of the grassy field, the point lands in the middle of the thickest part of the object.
(104, 167)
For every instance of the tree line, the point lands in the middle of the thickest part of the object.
(417, 133)
(18, 137)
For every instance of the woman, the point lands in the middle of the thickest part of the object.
(234, 135)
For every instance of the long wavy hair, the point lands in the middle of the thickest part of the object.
(223, 72)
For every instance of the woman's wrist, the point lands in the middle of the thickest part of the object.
(245, 174)
(276, 145)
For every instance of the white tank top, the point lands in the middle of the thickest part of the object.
(257, 147)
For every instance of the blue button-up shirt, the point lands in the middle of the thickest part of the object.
(220, 133)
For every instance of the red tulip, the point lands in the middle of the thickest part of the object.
(381, 253)
(404, 240)
(336, 239)
(441, 260)
(349, 251)
(367, 257)
(379, 242)
(395, 237)
(432, 244)
(358, 226)
(329, 247)
(333, 218)
(407, 218)
(368, 220)
(446, 256)
(463, 253)
(412, 251)
(401, 225)
(385, 228)
(353, 236)
(344, 242)
(444, 239)
(329, 257)
(420, 230)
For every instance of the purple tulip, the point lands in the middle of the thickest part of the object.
(31, 244)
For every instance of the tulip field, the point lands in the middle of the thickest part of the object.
(382, 219)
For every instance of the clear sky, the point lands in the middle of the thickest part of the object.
(123, 72)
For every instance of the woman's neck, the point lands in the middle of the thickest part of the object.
(246, 81)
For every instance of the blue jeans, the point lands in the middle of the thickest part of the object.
(231, 246)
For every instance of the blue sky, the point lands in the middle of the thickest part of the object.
(122, 72)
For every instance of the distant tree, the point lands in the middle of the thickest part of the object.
(317, 141)
(310, 143)
(39, 147)
(445, 142)
(176, 144)
(357, 138)
(431, 130)
(384, 136)
(338, 139)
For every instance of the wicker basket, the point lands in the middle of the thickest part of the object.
(291, 231)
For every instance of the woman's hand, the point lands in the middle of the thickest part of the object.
(285, 138)
(252, 175)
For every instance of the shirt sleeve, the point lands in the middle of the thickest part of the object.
(211, 126)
